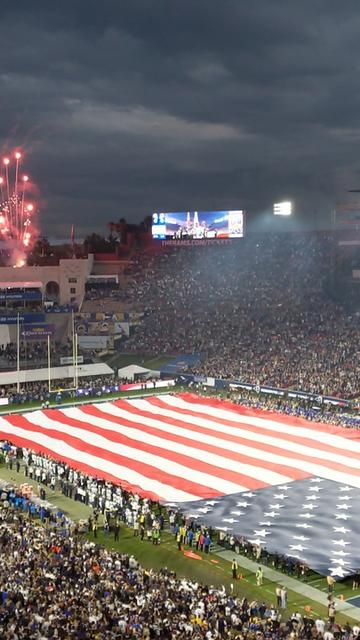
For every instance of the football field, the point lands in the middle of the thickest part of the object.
(283, 483)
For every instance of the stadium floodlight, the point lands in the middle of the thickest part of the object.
(283, 208)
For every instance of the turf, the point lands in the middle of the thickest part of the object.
(149, 361)
(205, 571)
(75, 510)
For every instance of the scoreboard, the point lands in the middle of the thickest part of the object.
(197, 225)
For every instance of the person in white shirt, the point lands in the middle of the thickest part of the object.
(132, 562)
(296, 616)
(320, 626)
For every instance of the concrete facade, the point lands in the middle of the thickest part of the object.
(69, 276)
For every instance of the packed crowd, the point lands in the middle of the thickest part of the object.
(103, 292)
(105, 297)
(86, 592)
(57, 584)
(34, 353)
(257, 310)
(62, 389)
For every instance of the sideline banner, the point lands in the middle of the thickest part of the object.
(157, 384)
(28, 318)
(70, 360)
(37, 332)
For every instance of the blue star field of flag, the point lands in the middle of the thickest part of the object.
(314, 520)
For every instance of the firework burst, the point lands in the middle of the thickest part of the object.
(17, 214)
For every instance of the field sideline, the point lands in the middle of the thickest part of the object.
(69, 402)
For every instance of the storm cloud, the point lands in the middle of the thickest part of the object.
(129, 106)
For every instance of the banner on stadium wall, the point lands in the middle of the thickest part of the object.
(201, 379)
(248, 387)
(189, 379)
(122, 327)
(302, 395)
(20, 295)
(254, 387)
(65, 308)
(88, 327)
(70, 360)
(27, 318)
(93, 342)
(37, 332)
(119, 316)
(4, 401)
(157, 384)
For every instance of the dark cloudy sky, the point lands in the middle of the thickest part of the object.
(129, 106)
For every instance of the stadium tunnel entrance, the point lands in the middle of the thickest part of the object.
(52, 291)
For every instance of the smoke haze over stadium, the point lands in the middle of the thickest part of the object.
(127, 106)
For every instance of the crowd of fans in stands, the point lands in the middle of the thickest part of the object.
(33, 353)
(87, 592)
(101, 292)
(258, 310)
(105, 297)
(93, 387)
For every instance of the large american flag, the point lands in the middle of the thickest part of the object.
(282, 482)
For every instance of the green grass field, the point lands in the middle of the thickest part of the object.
(119, 360)
(211, 569)
(75, 510)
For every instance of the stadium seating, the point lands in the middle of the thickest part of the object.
(260, 310)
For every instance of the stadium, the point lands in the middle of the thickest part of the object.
(182, 419)
(179, 321)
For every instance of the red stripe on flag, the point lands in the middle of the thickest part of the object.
(162, 452)
(287, 438)
(287, 452)
(294, 421)
(19, 441)
(192, 441)
(142, 468)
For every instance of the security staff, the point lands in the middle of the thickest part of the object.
(234, 569)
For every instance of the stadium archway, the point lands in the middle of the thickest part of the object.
(52, 291)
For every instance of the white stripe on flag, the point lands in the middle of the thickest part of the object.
(242, 432)
(61, 448)
(194, 452)
(264, 423)
(203, 479)
(320, 458)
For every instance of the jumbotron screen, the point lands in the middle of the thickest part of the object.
(195, 225)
